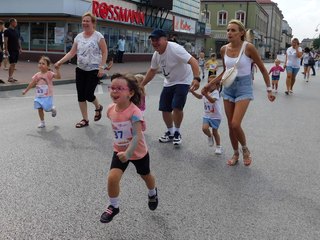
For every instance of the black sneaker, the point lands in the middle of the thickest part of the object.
(176, 139)
(167, 137)
(153, 201)
(108, 215)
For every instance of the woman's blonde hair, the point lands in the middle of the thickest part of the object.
(89, 14)
(241, 27)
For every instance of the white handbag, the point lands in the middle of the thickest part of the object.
(230, 74)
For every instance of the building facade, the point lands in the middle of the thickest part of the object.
(43, 26)
(249, 12)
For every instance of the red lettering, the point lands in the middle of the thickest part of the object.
(117, 13)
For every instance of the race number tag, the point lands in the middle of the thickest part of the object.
(42, 90)
(122, 133)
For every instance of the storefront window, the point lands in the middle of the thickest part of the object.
(129, 42)
(24, 35)
(113, 39)
(38, 36)
(56, 37)
(135, 42)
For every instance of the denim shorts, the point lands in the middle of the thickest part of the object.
(214, 123)
(240, 89)
(173, 97)
(292, 70)
(43, 102)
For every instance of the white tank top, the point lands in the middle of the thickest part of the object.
(244, 64)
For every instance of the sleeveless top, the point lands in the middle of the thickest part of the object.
(244, 64)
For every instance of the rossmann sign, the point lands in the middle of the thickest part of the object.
(117, 13)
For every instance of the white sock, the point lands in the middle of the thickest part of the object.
(114, 202)
(176, 129)
(152, 192)
(171, 130)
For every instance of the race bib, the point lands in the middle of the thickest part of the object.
(42, 90)
(122, 133)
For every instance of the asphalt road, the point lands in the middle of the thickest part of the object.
(53, 180)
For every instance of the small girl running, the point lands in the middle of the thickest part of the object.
(129, 142)
(275, 70)
(44, 89)
(142, 105)
(212, 115)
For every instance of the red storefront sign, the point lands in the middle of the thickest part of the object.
(117, 13)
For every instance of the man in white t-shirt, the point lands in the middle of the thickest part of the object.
(121, 48)
(181, 72)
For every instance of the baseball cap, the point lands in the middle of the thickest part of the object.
(157, 33)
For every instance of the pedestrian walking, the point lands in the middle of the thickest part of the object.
(181, 72)
(308, 62)
(212, 114)
(91, 49)
(201, 62)
(43, 81)
(238, 95)
(2, 28)
(291, 64)
(275, 76)
(129, 144)
(12, 47)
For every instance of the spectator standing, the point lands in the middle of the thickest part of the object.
(121, 48)
(181, 72)
(201, 62)
(212, 65)
(12, 47)
(91, 49)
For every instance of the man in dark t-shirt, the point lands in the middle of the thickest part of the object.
(1, 44)
(12, 46)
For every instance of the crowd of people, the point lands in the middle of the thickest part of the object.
(181, 73)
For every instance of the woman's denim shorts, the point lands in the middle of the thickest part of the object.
(240, 89)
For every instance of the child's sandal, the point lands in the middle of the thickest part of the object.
(234, 160)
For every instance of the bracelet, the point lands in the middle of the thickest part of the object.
(197, 78)
(269, 89)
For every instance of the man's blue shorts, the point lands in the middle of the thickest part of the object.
(173, 97)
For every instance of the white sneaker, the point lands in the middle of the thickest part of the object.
(41, 125)
(53, 111)
(218, 150)
(210, 141)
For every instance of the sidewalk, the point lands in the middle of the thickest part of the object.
(25, 70)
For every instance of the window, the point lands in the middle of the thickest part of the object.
(56, 37)
(240, 15)
(24, 35)
(222, 18)
(38, 36)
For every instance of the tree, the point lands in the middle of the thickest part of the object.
(316, 43)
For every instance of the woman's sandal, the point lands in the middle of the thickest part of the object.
(234, 160)
(247, 159)
(97, 116)
(82, 123)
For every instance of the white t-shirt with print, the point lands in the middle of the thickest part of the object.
(212, 110)
(174, 65)
(292, 59)
(88, 51)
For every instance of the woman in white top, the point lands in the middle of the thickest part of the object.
(91, 49)
(292, 64)
(238, 96)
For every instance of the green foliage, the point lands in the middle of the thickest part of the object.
(316, 43)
